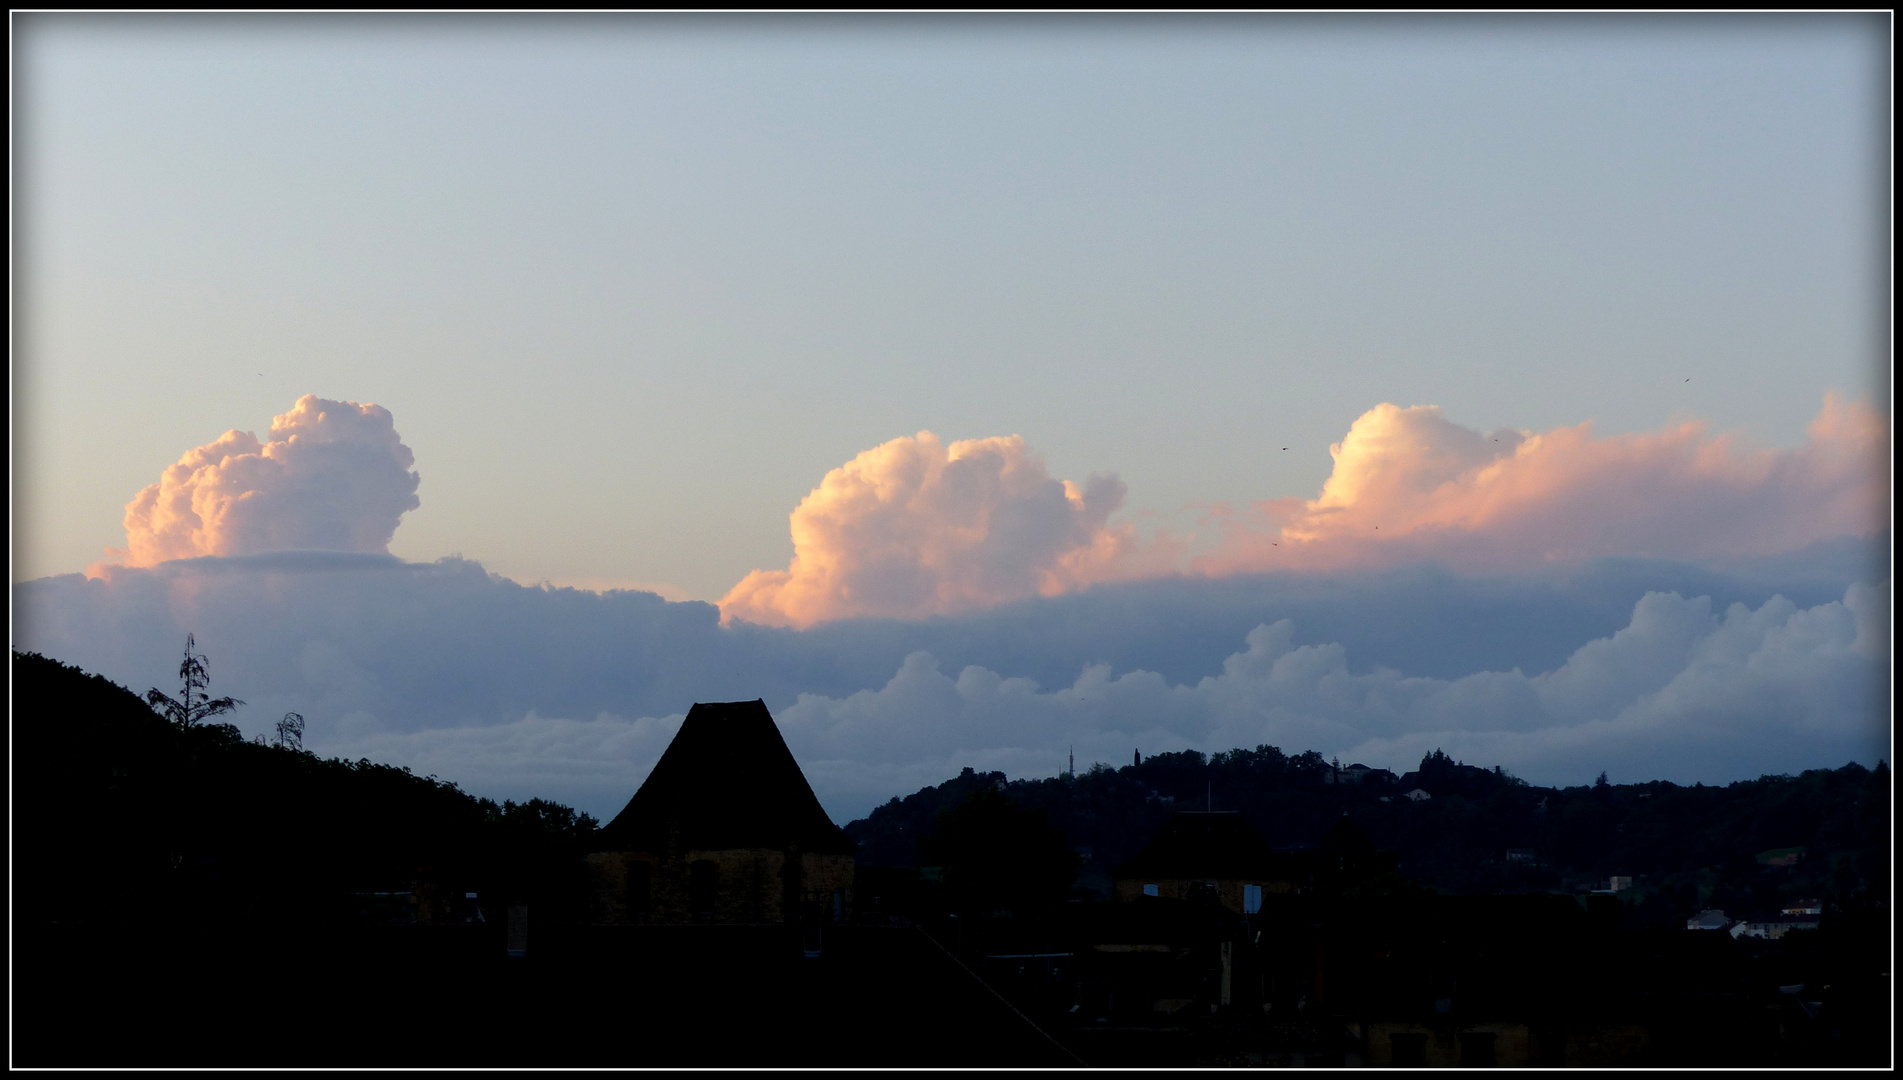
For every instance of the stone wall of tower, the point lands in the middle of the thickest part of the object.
(736, 886)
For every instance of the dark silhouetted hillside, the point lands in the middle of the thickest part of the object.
(120, 815)
(1751, 845)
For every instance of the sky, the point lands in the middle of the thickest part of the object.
(858, 346)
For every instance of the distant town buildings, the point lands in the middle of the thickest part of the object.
(1772, 929)
(1219, 857)
(1216, 855)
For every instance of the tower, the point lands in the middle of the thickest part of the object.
(724, 830)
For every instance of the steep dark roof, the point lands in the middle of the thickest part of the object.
(726, 781)
(1212, 845)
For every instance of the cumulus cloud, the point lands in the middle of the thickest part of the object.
(1409, 485)
(915, 527)
(332, 475)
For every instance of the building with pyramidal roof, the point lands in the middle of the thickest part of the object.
(724, 830)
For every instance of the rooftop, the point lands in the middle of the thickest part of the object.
(726, 781)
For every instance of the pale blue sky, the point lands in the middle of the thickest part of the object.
(630, 286)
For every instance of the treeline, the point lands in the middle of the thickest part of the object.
(1748, 846)
(123, 815)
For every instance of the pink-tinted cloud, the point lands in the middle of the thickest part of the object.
(1410, 485)
(915, 527)
(332, 475)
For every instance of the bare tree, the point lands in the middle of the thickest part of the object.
(194, 703)
(291, 731)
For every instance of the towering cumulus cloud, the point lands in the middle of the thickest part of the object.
(1409, 485)
(915, 527)
(333, 475)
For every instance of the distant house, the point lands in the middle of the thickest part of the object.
(1804, 907)
(1709, 919)
(1771, 929)
(1418, 795)
(724, 830)
(1218, 856)
(1523, 856)
(1347, 774)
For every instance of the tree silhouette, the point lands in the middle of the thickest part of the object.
(291, 731)
(193, 703)
(997, 854)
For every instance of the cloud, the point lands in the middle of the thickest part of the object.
(1409, 485)
(1682, 692)
(914, 527)
(1688, 608)
(358, 641)
(1641, 668)
(332, 475)
(594, 764)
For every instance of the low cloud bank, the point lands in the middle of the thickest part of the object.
(915, 528)
(332, 475)
(1683, 692)
(1646, 670)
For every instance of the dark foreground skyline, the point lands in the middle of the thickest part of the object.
(248, 882)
